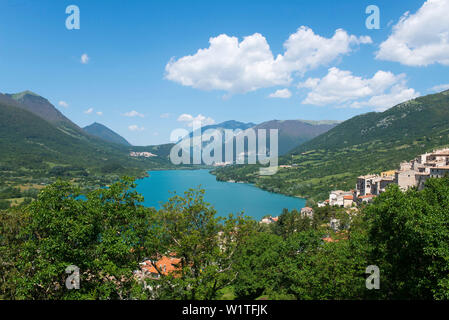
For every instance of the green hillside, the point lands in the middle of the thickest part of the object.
(103, 132)
(32, 148)
(369, 143)
(41, 107)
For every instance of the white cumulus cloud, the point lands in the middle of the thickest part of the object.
(242, 66)
(63, 104)
(281, 93)
(133, 113)
(420, 39)
(91, 110)
(85, 58)
(341, 88)
(440, 87)
(135, 127)
(199, 119)
(397, 94)
(305, 50)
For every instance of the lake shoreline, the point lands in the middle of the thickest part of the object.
(232, 181)
(226, 197)
(261, 188)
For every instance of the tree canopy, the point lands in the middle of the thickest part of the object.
(107, 233)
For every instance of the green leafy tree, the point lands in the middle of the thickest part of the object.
(290, 222)
(257, 265)
(103, 234)
(11, 222)
(189, 229)
(409, 234)
(4, 204)
(313, 269)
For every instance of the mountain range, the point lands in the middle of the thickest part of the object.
(367, 143)
(291, 133)
(36, 140)
(230, 124)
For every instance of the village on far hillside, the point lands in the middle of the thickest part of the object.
(142, 154)
(410, 174)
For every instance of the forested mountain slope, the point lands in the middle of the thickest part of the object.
(33, 147)
(368, 143)
(101, 131)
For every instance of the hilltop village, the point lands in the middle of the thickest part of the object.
(410, 174)
(414, 173)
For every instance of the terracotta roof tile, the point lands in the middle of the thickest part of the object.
(165, 265)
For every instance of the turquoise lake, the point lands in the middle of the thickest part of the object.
(226, 197)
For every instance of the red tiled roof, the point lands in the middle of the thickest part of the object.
(348, 197)
(165, 265)
(367, 196)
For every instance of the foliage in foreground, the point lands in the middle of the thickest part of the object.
(107, 232)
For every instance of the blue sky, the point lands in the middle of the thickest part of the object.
(130, 43)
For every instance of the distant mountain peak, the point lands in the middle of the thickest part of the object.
(101, 131)
(41, 107)
(229, 124)
(234, 122)
(319, 122)
(293, 133)
(95, 124)
(20, 95)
